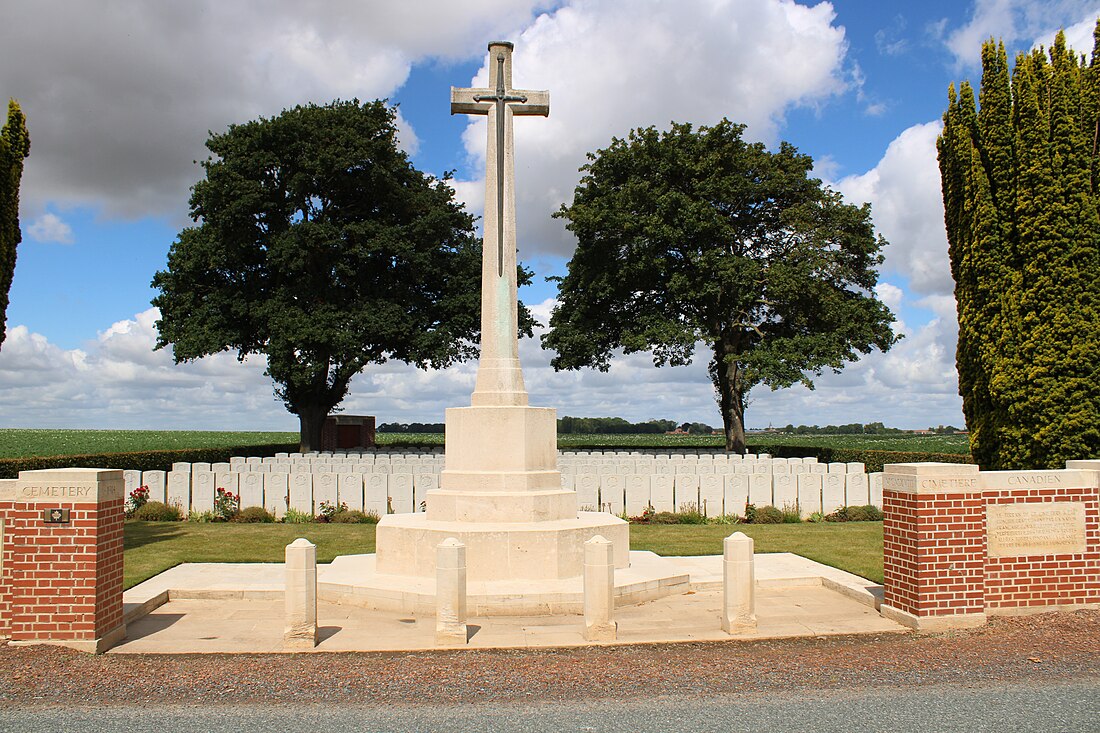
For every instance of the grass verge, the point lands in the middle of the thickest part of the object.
(153, 547)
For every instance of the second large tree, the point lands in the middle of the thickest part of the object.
(689, 236)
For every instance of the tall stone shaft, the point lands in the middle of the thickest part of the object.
(499, 375)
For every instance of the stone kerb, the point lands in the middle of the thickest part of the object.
(61, 533)
(960, 544)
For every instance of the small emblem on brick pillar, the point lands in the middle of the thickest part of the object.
(55, 516)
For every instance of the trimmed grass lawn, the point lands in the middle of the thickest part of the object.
(852, 546)
(152, 547)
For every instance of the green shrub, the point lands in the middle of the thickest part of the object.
(865, 513)
(254, 514)
(664, 518)
(767, 515)
(201, 517)
(816, 518)
(353, 516)
(725, 519)
(158, 511)
(294, 516)
(791, 514)
(690, 514)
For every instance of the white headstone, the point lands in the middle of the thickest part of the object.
(832, 492)
(809, 494)
(785, 490)
(712, 489)
(588, 491)
(351, 490)
(326, 489)
(202, 491)
(276, 492)
(611, 493)
(251, 487)
(401, 493)
(687, 492)
(736, 494)
(637, 493)
(375, 493)
(179, 490)
(662, 494)
(301, 492)
(760, 489)
(155, 482)
(856, 490)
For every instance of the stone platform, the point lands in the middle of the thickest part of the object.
(354, 580)
(237, 607)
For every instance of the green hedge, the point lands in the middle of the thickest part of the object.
(154, 460)
(874, 460)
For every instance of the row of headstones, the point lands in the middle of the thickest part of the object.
(711, 493)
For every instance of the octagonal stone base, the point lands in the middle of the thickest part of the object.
(498, 550)
(354, 580)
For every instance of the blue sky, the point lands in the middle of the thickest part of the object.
(120, 97)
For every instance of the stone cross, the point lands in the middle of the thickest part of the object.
(499, 377)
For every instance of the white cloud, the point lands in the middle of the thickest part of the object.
(1078, 36)
(748, 60)
(119, 96)
(907, 206)
(50, 228)
(1018, 20)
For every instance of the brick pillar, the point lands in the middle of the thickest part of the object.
(61, 581)
(933, 545)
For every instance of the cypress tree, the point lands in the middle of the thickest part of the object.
(1020, 205)
(15, 145)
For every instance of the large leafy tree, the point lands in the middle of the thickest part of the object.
(15, 145)
(1020, 204)
(320, 246)
(696, 236)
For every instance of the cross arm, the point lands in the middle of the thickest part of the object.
(538, 102)
(466, 101)
(462, 101)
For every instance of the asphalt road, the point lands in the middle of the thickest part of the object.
(1072, 705)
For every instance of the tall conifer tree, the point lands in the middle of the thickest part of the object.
(1020, 203)
(15, 145)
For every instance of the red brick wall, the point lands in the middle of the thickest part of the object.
(933, 553)
(1046, 580)
(936, 554)
(61, 581)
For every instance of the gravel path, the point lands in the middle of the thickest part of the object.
(1039, 649)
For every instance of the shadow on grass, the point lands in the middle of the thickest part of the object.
(139, 534)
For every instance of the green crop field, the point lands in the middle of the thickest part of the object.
(15, 443)
(760, 442)
(18, 443)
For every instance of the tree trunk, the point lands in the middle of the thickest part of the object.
(311, 420)
(731, 402)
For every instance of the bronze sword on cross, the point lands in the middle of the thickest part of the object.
(500, 98)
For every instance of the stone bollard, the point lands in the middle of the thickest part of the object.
(301, 595)
(450, 592)
(599, 590)
(738, 582)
